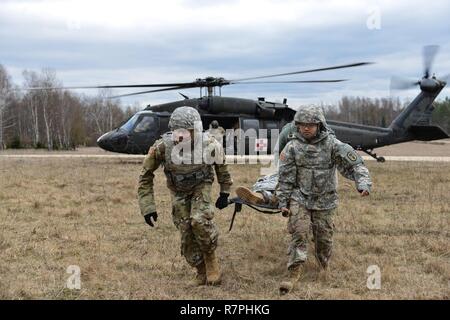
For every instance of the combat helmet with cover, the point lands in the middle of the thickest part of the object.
(312, 114)
(185, 118)
(214, 124)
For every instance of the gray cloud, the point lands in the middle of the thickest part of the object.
(184, 40)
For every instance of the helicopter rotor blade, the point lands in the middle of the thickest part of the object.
(150, 91)
(429, 53)
(151, 85)
(207, 82)
(398, 83)
(306, 71)
(294, 81)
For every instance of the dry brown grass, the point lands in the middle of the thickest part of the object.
(437, 148)
(60, 212)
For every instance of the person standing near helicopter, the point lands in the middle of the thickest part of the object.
(307, 183)
(216, 131)
(189, 179)
(304, 188)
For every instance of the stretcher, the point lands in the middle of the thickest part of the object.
(263, 208)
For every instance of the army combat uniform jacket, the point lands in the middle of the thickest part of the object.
(181, 177)
(307, 172)
(217, 133)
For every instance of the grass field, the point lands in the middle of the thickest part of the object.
(61, 212)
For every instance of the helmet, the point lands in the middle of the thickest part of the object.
(185, 118)
(214, 124)
(309, 114)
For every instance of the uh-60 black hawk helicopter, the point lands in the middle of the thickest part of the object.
(145, 127)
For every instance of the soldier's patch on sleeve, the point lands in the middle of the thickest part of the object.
(152, 151)
(347, 155)
(282, 156)
(352, 156)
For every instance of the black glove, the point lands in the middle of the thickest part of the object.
(222, 201)
(148, 219)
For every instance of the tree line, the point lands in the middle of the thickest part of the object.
(54, 118)
(59, 119)
(375, 112)
(381, 112)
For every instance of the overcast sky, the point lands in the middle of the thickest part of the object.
(98, 42)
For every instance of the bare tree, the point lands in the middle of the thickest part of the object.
(5, 86)
(31, 102)
(376, 112)
(54, 118)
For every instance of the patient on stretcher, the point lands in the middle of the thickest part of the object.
(262, 193)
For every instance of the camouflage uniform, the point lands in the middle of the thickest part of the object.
(266, 185)
(290, 132)
(190, 187)
(307, 185)
(217, 133)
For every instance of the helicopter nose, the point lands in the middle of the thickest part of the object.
(103, 142)
(113, 141)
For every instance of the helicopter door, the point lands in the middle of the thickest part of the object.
(272, 135)
(250, 136)
(163, 124)
(144, 133)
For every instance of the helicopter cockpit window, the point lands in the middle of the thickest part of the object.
(130, 123)
(145, 124)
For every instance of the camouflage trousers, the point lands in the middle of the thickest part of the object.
(301, 221)
(193, 214)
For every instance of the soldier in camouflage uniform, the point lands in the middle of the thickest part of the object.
(262, 192)
(189, 158)
(290, 132)
(307, 183)
(216, 131)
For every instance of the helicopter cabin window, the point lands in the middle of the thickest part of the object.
(145, 124)
(164, 124)
(130, 123)
(250, 124)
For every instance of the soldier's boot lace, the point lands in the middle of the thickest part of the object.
(213, 274)
(287, 285)
(250, 196)
(200, 277)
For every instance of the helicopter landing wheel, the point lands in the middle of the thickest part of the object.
(374, 155)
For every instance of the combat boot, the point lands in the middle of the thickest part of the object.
(200, 277)
(213, 275)
(250, 196)
(287, 285)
